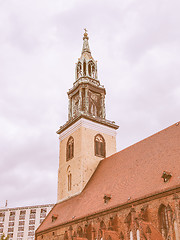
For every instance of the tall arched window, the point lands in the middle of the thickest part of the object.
(102, 225)
(80, 232)
(163, 220)
(70, 149)
(84, 68)
(99, 144)
(79, 70)
(89, 69)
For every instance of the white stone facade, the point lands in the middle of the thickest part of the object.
(20, 223)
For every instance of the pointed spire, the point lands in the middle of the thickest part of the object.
(85, 42)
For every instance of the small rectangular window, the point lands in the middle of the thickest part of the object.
(43, 210)
(20, 229)
(23, 212)
(33, 211)
(31, 222)
(11, 218)
(21, 217)
(30, 233)
(20, 234)
(41, 220)
(21, 223)
(12, 213)
(32, 216)
(2, 216)
(32, 227)
(42, 215)
(11, 224)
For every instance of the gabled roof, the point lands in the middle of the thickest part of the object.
(129, 175)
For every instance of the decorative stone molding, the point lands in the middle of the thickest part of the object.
(87, 124)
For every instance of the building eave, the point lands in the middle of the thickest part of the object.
(134, 202)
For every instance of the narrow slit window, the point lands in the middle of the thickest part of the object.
(69, 181)
(84, 68)
(89, 69)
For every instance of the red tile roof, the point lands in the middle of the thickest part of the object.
(130, 174)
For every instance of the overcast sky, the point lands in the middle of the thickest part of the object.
(137, 46)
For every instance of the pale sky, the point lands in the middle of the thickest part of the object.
(137, 46)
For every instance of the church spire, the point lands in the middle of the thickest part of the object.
(85, 42)
(86, 66)
(87, 96)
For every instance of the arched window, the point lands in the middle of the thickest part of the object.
(99, 144)
(79, 70)
(66, 235)
(84, 68)
(163, 220)
(102, 225)
(70, 149)
(89, 69)
(80, 232)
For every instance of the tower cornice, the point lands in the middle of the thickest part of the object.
(102, 121)
(86, 83)
(87, 79)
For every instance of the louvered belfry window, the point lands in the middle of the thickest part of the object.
(70, 149)
(99, 143)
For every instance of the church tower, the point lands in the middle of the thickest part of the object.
(87, 137)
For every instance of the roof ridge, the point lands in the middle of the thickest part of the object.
(144, 139)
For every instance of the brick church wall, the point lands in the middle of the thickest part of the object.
(117, 223)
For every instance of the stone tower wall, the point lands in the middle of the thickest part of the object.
(84, 162)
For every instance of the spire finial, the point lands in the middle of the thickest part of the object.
(85, 34)
(85, 43)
